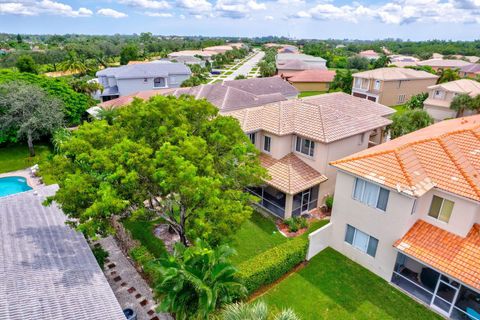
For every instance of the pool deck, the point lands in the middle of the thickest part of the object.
(33, 182)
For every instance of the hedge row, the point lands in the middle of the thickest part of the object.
(270, 265)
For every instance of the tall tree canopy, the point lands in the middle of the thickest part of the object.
(409, 121)
(172, 158)
(27, 110)
(128, 53)
(25, 63)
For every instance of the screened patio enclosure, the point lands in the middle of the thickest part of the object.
(439, 291)
(285, 205)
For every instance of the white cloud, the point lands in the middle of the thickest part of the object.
(398, 11)
(159, 14)
(291, 2)
(195, 6)
(269, 18)
(146, 4)
(106, 12)
(34, 8)
(237, 9)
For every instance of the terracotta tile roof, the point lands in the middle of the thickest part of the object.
(368, 53)
(445, 155)
(310, 76)
(444, 251)
(325, 118)
(392, 73)
(290, 174)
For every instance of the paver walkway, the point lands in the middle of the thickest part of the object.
(127, 284)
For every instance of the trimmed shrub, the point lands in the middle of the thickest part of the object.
(100, 255)
(329, 202)
(296, 223)
(270, 265)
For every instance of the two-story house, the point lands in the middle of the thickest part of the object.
(125, 80)
(299, 137)
(391, 86)
(441, 95)
(409, 211)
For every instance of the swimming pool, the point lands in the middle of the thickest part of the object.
(11, 185)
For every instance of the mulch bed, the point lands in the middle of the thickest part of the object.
(315, 215)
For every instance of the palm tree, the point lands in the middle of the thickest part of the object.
(461, 103)
(255, 311)
(73, 64)
(447, 75)
(194, 281)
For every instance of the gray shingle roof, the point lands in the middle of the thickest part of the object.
(145, 70)
(47, 269)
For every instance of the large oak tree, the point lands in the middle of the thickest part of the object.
(176, 159)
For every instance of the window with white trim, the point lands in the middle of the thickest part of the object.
(371, 194)
(253, 137)
(358, 83)
(361, 240)
(441, 209)
(267, 141)
(376, 86)
(305, 146)
(401, 98)
(159, 82)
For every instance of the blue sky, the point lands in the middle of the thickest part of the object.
(363, 19)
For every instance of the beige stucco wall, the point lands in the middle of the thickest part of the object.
(439, 113)
(391, 225)
(390, 90)
(311, 86)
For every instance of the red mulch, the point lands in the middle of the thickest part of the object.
(316, 214)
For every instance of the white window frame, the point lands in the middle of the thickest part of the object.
(310, 148)
(165, 86)
(440, 210)
(402, 98)
(253, 137)
(354, 245)
(377, 196)
(357, 83)
(376, 85)
(265, 137)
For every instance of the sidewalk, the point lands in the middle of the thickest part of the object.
(128, 286)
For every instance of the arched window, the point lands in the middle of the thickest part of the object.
(159, 82)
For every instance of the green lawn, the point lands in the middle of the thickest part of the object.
(16, 157)
(310, 93)
(401, 108)
(257, 235)
(333, 287)
(143, 232)
(227, 73)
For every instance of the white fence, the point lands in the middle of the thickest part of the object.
(319, 240)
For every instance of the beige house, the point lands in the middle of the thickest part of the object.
(441, 95)
(391, 86)
(299, 137)
(409, 211)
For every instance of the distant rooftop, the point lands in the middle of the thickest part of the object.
(390, 74)
(298, 56)
(47, 269)
(445, 63)
(226, 96)
(145, 70)
(470, 87)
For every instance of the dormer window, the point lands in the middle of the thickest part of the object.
(159, 82)
(438, 94)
